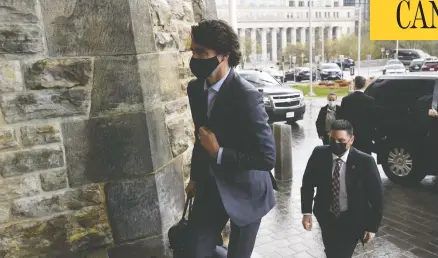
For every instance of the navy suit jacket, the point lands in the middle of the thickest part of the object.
(240, 123)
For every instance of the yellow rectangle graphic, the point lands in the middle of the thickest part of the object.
(404, 19)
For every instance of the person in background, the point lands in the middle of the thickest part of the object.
(348, 203)
(360, 110)
(327, 115)
(234, 150)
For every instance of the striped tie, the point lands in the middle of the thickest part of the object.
(336, 186)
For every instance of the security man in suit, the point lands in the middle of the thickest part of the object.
(348, 201)
(234, 150)
(360, 110)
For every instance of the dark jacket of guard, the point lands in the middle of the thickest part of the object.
(240, 123)
(360, 110)
(320, 122)
(364, 189)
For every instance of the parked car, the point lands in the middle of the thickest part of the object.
(403, 145)
(300, 74)
(430, 66)
(416, 65)
(330, 71)
(282, 103)
(395, 69)
(391, 63)
(278, 75)
(345, 64)
(407, 55)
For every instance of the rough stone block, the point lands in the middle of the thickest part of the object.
(117, 86)
(11, 78)
(187, 162)
(146, 248)
(159, 77)
(39, 134)
(155, 202)
(44, 104)
(58, 236)
(111, 148)
(8, 139)
(5, 212)
(180, 135)
(177, 107)
(158, 138)
(142, 26)
(59, 73)
(22, 11)
(100, 33)
(53, 180)
(20, 39)
(17, 187)
(20, 162)
(73, 199)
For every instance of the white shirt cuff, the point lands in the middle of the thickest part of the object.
(219, 155)
(309, 214)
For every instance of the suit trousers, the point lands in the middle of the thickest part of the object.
(207, 221)
(339, 240)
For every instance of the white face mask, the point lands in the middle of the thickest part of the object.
(331, 104)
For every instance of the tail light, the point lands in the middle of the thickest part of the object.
(425, 66)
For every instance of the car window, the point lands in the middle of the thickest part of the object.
(400, 94)
(329, 66)
(395, 66)
(260, 79)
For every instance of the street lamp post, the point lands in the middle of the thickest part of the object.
(359, 32)
(311, 93)
(382, 50)
(396, 50)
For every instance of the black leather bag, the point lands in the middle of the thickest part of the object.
(179, 233)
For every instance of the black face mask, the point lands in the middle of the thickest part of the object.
(338, 148)
(202, 68)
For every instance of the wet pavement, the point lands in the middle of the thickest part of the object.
(409, 227)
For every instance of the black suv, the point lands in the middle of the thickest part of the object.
(282, 103)
(404, 144)
(407, 55)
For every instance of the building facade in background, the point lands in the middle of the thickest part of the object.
(270, 25)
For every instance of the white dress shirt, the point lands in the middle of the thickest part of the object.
(213, 90)
(343, 198)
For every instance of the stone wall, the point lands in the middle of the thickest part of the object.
(95, 130)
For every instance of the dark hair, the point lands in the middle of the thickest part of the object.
(332, 94)
(342, 125)
(359, 82)
(219, 36)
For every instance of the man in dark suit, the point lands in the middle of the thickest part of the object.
(348, 201)
(234, 150)
(359, 110)
(327, 115)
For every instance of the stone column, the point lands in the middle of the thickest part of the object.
(274, 44)
(293, 36)
(329, 33)
(242, 40)
(283, 39)
(338, 32)
(254, 42)
(303, 35)
(264, 45)
(94, 126)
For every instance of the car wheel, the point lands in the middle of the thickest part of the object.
(400, 166)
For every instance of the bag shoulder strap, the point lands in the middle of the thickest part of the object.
(188, 206)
